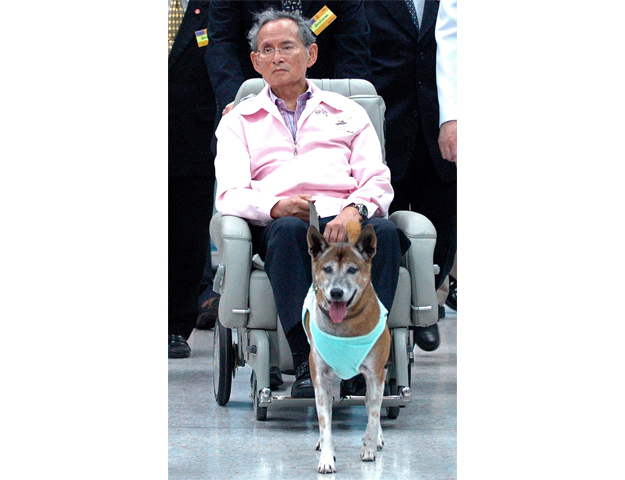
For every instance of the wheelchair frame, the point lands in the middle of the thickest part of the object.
(237, 345)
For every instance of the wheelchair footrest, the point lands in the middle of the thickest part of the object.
(400, 400)
(285, 401)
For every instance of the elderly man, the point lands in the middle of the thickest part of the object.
(294, 143)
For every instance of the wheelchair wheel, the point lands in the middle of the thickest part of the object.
(223, 363)
(260, 412)
(392, 412)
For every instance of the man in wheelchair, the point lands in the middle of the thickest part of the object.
(293, 143)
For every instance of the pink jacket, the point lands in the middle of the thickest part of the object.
(336, 158)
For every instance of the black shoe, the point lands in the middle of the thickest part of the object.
(427, 337)
(357, 386)
(452, 298)
(441, 311)
(178, 347)
(208, 314)
(275, 378)
(354, 386)
(302, 386)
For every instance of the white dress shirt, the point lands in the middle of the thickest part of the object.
(446, 58)
(418, 5)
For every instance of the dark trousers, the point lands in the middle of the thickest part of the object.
(422, 191)
(284, 248)
(190, 209)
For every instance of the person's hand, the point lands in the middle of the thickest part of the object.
(447, 140)
(295, 206)
(336, 230)
(229, 107)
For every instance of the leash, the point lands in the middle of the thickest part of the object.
(314, 221)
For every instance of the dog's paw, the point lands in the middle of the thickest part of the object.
(367, 454)
(380, 443)
(326, 468)
(326, 464)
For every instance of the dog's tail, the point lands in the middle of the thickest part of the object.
(353, 231)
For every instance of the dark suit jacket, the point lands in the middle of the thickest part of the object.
(343, 45)
(403, 67)
(191, 99)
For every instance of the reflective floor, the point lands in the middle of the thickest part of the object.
(209, 441)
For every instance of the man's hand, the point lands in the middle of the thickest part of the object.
(295, 206)
(447, 140)
(336, 230)
(229, 107)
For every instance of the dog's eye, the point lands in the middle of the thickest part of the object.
(352, 270)
(327, 269)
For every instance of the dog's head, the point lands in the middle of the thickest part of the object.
(342, 270)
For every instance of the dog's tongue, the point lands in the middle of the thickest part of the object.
(338, 310)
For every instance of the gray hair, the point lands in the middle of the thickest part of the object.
(271, 15)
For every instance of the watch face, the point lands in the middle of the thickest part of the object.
(362, 209)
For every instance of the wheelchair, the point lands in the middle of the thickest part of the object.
(248, 330)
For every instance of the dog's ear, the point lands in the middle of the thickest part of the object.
(316, 243)
(367, 243)
(353, 231)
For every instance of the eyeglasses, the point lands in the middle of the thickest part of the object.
(267, 53)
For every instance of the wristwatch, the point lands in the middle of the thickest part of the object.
(362, 209)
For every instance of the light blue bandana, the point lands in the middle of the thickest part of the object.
(343, 354)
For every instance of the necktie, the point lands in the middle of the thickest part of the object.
(291, 5)
(413, 12)
(176, 12)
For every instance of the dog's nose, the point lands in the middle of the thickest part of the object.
(336, 293)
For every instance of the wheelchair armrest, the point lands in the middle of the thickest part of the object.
(419, 261)
(233, 240)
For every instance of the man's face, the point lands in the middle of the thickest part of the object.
(287, 67)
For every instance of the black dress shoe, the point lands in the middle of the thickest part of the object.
(353, 386)
(208, 314)
(178, 347)
(427, 337)
(357, 386)
(275, 378)
(452, 297)
(302, 386)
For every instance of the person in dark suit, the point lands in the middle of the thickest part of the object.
(191, 173)
(403, 68)
(343, 45)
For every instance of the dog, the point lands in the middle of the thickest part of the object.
(343, 307)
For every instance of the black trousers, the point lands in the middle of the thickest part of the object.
(422, 191)
(283, 246)
(190, 209)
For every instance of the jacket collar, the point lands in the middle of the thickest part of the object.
(401, 14)
(430, 12)
(263, 101)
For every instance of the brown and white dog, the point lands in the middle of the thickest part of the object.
(345, 305)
